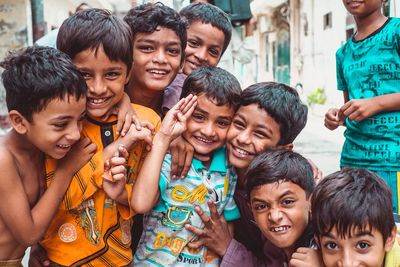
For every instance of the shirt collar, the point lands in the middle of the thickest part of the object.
(218, 162)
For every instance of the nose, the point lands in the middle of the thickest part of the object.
(159, 57)
(275, 215)
(244, 137)
(208, 129)
(74, 133)
(348, 259)
(97, 87)
(201, 54)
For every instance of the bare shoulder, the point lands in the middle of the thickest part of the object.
(9, 166)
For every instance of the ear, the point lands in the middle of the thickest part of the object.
(391, 239)
(287, 146)
(129, 75)
(18, 122)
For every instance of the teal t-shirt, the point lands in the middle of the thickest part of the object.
(369, 68)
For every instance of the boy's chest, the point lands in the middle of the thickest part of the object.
(33, 181)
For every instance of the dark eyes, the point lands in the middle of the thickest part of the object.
(331, 245)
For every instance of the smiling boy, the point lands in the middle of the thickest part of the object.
(353, 220)
(164, 241)
(159, 41)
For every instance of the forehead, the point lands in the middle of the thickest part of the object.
(207, 33)
(273, 192)
(68, 106)
(208, 105)
(356, 232)
(160, 35)
(96, 59)
(257, 116)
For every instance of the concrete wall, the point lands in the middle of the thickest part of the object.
(15, 32)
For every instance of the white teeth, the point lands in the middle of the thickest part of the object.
(158, 71)
(204, 140)
(241, 151)
(279, 229)
(97, 100)
(64, 146)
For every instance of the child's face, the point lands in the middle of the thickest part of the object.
(105, 80)
(204, 46)
(207, 127)
(361, 8)
(156, 59)
(281, 211)
(252, 131)
(362, 248)
(57, 127)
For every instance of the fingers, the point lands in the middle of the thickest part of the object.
(126, 124)
(174, 161)
(148, 125)
(188, 163)
(136, 122)
(213, 211)
(204, 217)
(189, 107)
(196, 244)
(194, 230)
(123, 152)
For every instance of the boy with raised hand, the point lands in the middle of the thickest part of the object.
(159, 41)
(45, 96)
(353, 220)
(279, 184)
(209, 32)
(171, 202)
(367, 73)
(92, 226)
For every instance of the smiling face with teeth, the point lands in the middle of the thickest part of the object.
(252, 131)
(281, 211)
(105, 80)
(207, 127)
(57, 127)
(157, 58)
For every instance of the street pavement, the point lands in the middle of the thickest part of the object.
(319, 144)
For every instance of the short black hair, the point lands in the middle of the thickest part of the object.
(352, 198)
(282, 103)
(277, 165)
(209, 14)
(36, 75)
(92, 28)
(147, 17)
(216, 83)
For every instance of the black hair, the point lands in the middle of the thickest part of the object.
(82, 6)
(35, 76)
(209, 14)
(282, 103)
(216, 83)
(280, 165)
(352, 199)
(92, 28)
(147, 17)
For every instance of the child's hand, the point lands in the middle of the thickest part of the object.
(333, 119)
(306, 257)
(114, 178)
(181, 157)
(359, 109)
(126, 116)
(80, 153)
(134, 135)
(174, 122)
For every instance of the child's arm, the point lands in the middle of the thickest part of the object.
(126, 116)
(28, 224)
(145, 192)
(360, 109)
(334, 117)
(306, 257)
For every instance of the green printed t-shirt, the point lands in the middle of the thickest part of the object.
(366, 69)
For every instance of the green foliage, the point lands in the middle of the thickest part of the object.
(318, 96)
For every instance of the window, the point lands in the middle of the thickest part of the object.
(328, 21)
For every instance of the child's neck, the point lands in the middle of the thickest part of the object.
(144, 97)
(368, 25)
(22, 146)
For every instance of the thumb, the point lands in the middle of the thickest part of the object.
(107, 165)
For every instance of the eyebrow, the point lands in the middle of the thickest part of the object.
(152, 41)
(197, 109)
(359, 234)
(286, 193)
(263, 126)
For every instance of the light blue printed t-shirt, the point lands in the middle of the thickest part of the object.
(366, 69)
(164, 239)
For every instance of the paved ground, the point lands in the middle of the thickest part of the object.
(320, 144)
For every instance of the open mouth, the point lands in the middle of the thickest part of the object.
(280, 229)
(240, 152)
(158, 72)
(97, 101)
(203, 140)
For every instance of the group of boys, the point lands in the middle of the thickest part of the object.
(81, 213)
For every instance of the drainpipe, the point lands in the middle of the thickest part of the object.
(38, 24)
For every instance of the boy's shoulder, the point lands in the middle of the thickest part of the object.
(147, 114)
